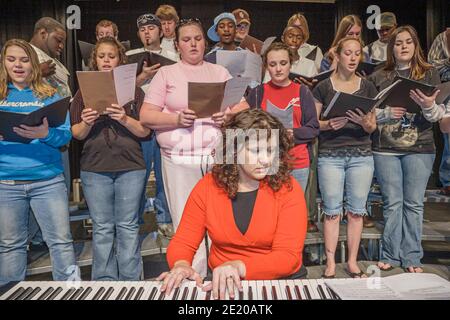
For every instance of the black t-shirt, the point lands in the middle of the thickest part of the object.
(109, 146)
(351, 139)
(243, 206)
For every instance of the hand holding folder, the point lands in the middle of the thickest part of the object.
(55, 114)
(206, 99)
(101, 89)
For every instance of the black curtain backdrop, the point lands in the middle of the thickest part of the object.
(269, 18)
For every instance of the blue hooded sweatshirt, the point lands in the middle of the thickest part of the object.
(41, 158)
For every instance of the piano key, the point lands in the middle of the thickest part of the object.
(186, 290)
(194, 293)
(268, 286)
(108, 293)
(153, 292)
(34, 293)
(324, 289)
(297, 289)
(16, 293)
(98, 295)
(313, 288)
(139, 293)
(46, 293)
(24, 294)
(174, 292)
(252, 291)
(130, 293)
(202, 295)
(77, 293)
(66, 294)
(259, 290)
(279, 286)
(185, 294)
(289, 294)
(86, 293)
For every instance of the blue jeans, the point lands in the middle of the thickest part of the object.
(345, 176)
(34, 232)
(301, 175)
(113, 200)
(48, 200)
(403, 180)
(444, 170)
(152, 157)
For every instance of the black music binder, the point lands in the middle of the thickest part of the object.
(319, 77)
(151, 58)
(369, 67)
(343, 102)
(55, 113)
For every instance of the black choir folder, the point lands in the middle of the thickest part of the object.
(151, 58)
(397, 94)
(55, 113)
(370, 67)
(319, 77)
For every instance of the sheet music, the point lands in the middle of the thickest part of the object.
(405, 286)
(253, 67)
(266, 44)
(234, 91)
(234, 61)
(125, 83)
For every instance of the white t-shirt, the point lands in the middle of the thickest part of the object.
(169, 44)
(378, 50)
(306, 49)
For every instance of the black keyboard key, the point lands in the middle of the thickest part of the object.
(176, 293)
(77, 293)
(250, 293)
(288, 292)
(274, 293)
(139, 293)
(46, 293)
(264, 293)
(152, 294)
(99, 293)
(208, 295)
(241, 295)
(55, 293)
(306, 290)
(297, 292)
(321, 292)
(162, 296)
(86, 293)
(25, 293)
(185, 294)
(34, 293)
(16, 293)
(194, 294)
(121, 293)
(67, 294)
(130, 293)
(108, 293)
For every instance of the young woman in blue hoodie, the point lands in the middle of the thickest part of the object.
(31, 174)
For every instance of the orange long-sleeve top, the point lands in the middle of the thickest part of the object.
(272, 246)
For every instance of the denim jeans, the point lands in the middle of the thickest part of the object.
(345, 176)
(152, 157)
(444, 170)
(301, 175)
(34, 232)
(113, 200)
(403, 180)
(48, 200)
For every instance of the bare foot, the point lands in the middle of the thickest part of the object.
(415, 270)
(330, 270)
(384, 266)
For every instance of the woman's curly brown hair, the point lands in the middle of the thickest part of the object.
(113, 42)
(226, 175)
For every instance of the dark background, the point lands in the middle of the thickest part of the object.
(17, 18)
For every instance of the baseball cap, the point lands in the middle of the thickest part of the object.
(212, 33)
(148, 19)
(388, 20)
(241, 16)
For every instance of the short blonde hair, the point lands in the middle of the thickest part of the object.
(105, 24)
(167, 12)
(303, 24)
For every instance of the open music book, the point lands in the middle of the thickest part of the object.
(251, 43)
(207, 99)
(55, 113)
(151, 58)
(370, 67)
(405, 286)
(319, 77)
(100, 89)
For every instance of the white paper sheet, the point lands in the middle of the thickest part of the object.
(125, 83)
(234, 91)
